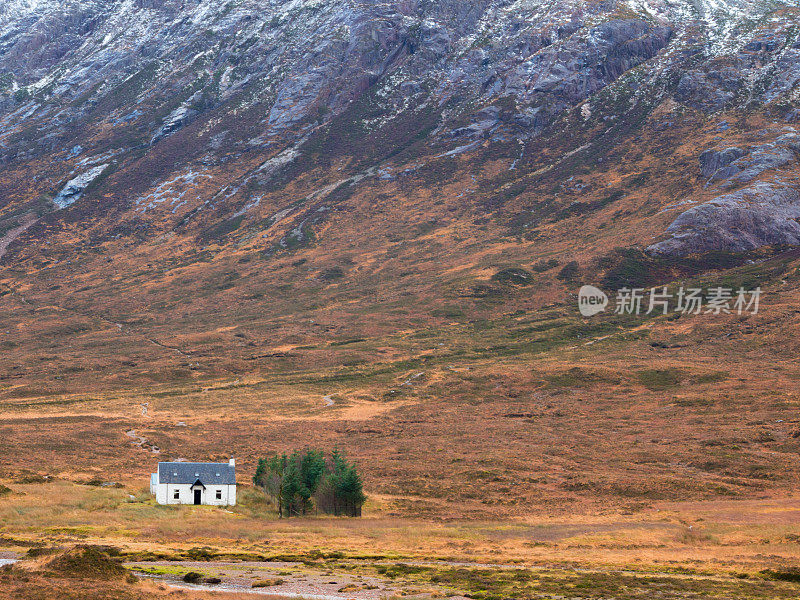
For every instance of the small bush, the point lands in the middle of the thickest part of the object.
(27, 477)
(660, 379)
(332, 274)
(569, 271)
(448, 312)
(263, 583)
(513, 276)
(193, 577)
(545, 265)
(714, 377)
(88, 562)
(577, 377)
(201, 553)
(789, 574)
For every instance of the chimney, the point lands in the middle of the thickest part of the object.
(232, 462)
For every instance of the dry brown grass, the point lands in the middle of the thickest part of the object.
(490, 421)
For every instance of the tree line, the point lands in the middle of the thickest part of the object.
(307, 480)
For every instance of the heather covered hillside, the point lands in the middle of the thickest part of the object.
(244, 228)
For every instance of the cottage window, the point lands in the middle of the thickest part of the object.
(176, 494)
(219, 494)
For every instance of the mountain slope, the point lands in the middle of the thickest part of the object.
(259, 204)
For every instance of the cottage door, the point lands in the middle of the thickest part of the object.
(197, 496)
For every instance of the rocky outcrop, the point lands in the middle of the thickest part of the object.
(712, 161)
(735, 166)
(759, 159)
(761, 214)
(713, 87)
(74, 189)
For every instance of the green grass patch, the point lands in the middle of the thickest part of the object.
(578, 377)
(661, 379)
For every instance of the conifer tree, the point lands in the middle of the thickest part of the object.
(292, 481)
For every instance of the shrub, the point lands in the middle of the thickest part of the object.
(263, 583)
(789, 574)
(27, 477)
(332, 274)
(88, 562)
(631, 268)
(660, 379)
(201, 553)
(569, 271)
(513, 276)
(545, 265)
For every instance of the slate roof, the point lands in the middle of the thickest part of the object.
(189, 473)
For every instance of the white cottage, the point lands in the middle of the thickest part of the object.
(195, 483)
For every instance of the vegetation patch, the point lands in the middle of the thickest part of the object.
(222, 229)
(632, 268)
(264, 583)
(585, 208)
(29, 477)
(569, 271)
(545, 265)
(525, 584)
(789, 574)
(348, 342)
(193, 577)
(661, 379)
(578, 377)
(714, 377)
(514, 276)
(332, 274)
(88, 562)
(301, 481)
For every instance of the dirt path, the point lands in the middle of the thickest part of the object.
(13, 234)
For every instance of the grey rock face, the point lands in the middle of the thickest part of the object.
(712, 161)
(763, 213)
(73, 190)
(737, 166)
(758, 215)
(761, 158)
(174, 88)
(711, 89)
(154, 67)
